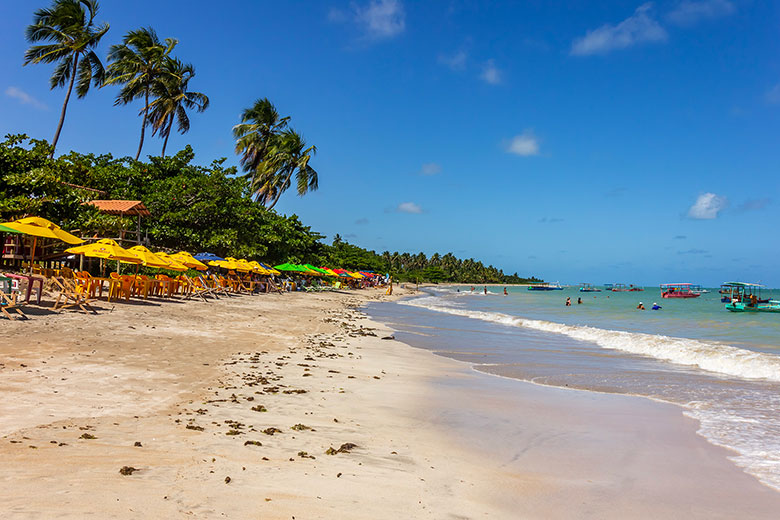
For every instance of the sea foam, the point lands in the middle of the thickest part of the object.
(709, 356)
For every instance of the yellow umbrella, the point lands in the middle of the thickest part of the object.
(173, 264)
(148, 259)
(40, 227)
(106, 249)
(243, 266)
(259, 268)
(229, 263)
(190, 261)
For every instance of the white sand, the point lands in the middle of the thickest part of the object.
(434, 439)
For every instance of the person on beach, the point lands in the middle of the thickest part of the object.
(579, 301)
(568, 301)
(641, 306)
(656, 307)
(505, 293)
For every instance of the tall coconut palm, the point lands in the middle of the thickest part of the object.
(137, 64)
(260, 124)
(172, 99)
(287, 155)
(70, 26)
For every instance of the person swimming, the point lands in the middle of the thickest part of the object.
(656, 307)
(568, 301)
(641, 306)
(579, 301)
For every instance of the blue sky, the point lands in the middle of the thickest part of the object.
(620, 142)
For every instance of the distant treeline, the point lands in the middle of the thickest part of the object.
(194, 208)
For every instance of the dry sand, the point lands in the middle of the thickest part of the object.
(234, 405)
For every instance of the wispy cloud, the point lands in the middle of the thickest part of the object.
(553, 220)
(490, 73)
(707, 206)
(409, 207)
(754, 204)
(680, 237)
(638, 28)
(524, 144)
(431, 168)
(361, 221)
(693, 252)
(24, 98)
(455, 61)
(773, 95)
(378, 20)
(690, 12)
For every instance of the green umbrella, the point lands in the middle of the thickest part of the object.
(316, 269)
(288, 267)
(4, 229)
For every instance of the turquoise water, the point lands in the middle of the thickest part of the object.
(721, 368)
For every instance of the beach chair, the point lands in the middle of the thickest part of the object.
(200, 285)
(122, 286)
(193, 287)
(217, 287)
(8, 299)
(72, 293)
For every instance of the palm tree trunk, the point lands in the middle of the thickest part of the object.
(167, 135)
(280, 190)
(143, 124)
(64, 106)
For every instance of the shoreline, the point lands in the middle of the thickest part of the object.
(426, 437)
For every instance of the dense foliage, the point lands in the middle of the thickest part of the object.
(194, 208)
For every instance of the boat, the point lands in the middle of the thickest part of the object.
(589, 287)
(746, 298)
(545, 287)
(735, 291)
(621, 287)
(680, 290)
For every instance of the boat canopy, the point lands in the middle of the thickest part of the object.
(742, 284)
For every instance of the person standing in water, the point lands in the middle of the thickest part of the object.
(486, 289)
(568, 301)
(505, 293)
(579, 301)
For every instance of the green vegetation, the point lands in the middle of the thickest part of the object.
(195, 208)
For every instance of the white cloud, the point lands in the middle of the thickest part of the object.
(690, 12)
(707, 206)
(455, 61)
(430, 169)
(24, 98)
(381, 19)
(409, 207)
(637, 28)
(524, 144)
(773, 95)
(490, 73)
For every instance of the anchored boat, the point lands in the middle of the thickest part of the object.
(680, 290)
(746, 297)
(545, 287)
(589, 287)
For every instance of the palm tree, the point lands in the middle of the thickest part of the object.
(69, 25)
(172, 99)
(260, 123)
(138, 63)
(287, 155)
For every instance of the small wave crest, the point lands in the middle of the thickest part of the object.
(712, 357)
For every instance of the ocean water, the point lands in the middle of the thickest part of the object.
(721, 368)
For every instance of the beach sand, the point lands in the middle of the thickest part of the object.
(228, 409)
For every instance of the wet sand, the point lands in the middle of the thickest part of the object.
(238, 405)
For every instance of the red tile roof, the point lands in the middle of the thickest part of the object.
(121, 207)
